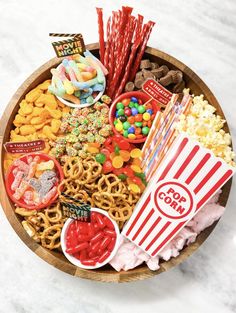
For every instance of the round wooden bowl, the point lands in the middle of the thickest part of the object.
(57, 259)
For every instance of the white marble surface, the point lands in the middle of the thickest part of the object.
(202, 35)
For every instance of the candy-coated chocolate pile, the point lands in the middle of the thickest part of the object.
(133, 118)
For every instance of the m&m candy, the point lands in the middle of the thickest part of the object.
(133, 118)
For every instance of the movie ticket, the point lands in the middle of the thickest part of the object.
(186, 179)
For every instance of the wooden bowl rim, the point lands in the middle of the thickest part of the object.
(104, 275)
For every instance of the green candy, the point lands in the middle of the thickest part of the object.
(138, 124)
(125, 133)
(119, 105)
(136, 105)
(115, 122)
(141, 109)
(117, 150)
(122, 177)
(140, 175)
(145, 130)
(126, 125)
(131, 104)
(100, 158)
(121, 112)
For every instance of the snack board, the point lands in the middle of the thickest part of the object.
(101, 174)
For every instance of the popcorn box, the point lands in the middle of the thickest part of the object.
(187, 178)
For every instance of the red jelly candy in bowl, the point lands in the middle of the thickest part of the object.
(96, 246)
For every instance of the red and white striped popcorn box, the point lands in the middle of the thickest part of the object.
(186, 179)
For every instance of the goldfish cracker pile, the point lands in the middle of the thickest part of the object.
(205, 126)
(78, 79)
(39, 117)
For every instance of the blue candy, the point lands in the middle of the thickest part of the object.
(134, 111)
(150, 111)
(131, 130)
(133, 99)
(117, 115)
(98, 87)
(83, 101)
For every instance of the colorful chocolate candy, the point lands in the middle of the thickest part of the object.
(133, 118)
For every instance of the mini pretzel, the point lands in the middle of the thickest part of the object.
(96, 170)
(68, 186)
(85, 178)
(54, 214)
(39, 222)
(24, 212)
(81, 195)
(31, 231)
(120, 214)
(73, 167)
(132, 198)
(50, 238)
(103, 200)
(110, 183)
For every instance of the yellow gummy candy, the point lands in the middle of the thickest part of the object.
(135, 188)
(136, 153)
(117, 162)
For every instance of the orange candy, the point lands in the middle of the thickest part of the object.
(149, 124)
(138, 131)
(138, 117)
(126, 102)
(144, 124)
(125, 155)
(112, 155)
(137, 162)
(131, 119)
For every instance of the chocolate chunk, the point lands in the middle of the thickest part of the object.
(154, 65)
(165, 69)
(166, 80)
(179, 87)
(138, 83)
(158, 73)
(129, 86)
(139, 75)
(147, 74)
(177, 76)
(145, 64)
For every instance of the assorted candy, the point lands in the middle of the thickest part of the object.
(82, 127)
(133, 118)
(32, 181)
(78, 79)
(124, 160)
(91, 243)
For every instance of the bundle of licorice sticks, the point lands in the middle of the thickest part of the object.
(121, 54)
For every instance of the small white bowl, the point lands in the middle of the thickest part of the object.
(84, 105)
(75, 261)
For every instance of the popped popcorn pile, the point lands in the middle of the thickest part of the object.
(205, 126)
